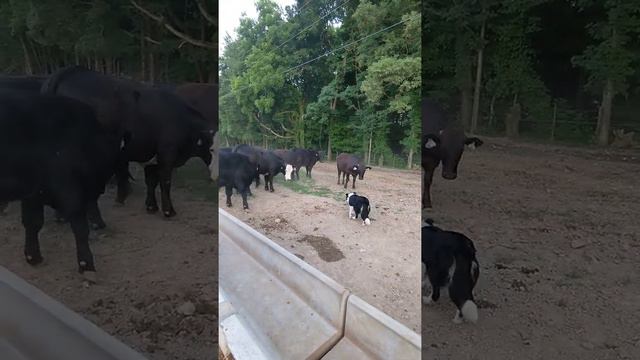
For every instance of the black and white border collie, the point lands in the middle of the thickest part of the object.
(358, 205)
(449, 260)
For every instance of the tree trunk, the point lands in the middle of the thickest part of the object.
(465, 106)
(464, 74)
(28, 67)
(605, 118)
(410, 160)
(143, 54)
(300, 126)
(152, 68)
(492, 111)
(476, 94)
(76, 55)
(369, 152)
(512, 120)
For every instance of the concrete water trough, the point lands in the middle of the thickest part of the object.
(272, 305)
(34, 326)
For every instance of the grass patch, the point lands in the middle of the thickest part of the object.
(308, 186)
(194, 177)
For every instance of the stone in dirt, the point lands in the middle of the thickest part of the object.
(578, 243)
(187, 309)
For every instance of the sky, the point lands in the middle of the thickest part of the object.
(230, 13)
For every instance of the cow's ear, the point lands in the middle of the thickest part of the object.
(473, 142)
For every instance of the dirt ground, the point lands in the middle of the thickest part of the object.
(557, 232)
(379, 263)
(157, 278)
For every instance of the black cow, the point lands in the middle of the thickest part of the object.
(116, 108)
(311, 158)
(254, 154)
(162, 135)
(29, 84)
(441, 143)
(204, 98)
(53, 152)
(236, 171)
(347, 165)
(270, 166)
(23, 83)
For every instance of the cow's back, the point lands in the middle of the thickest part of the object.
(203, 98)
(23, 83)
(346, 161)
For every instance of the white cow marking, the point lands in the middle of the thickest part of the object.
(430, 144)
(288, 172)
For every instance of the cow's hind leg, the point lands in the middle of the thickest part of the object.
(94, 216)
(228, 190)
(122, 176)
(245, 204)
(345, 179)
(151, 179)
(32, 220)
(80, 228)
(271, 183)
(165, 189)
(266, 182)
(339, 173)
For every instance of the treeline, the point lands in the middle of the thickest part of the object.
(555, 69)
(362, 97)
(154, 41)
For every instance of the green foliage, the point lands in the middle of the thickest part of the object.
(347, 99)
(611, 57)
(41, 36)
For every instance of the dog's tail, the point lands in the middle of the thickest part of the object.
(469, 311)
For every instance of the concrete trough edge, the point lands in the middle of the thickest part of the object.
(91, 332)
(391, 327)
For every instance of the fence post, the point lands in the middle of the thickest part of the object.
(553, 122)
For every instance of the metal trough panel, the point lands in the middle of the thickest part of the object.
(371, 334)
(275, 306)
(292, 310)
(34, 326)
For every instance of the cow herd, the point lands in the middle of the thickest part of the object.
(448, 258)
(243, 164)
(63, 137)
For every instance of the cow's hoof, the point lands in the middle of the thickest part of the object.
(34, 259)
(169, 213)
(152, 209)
(270, 190)
(246, 207)
(228, 204)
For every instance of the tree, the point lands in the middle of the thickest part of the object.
(610, 62)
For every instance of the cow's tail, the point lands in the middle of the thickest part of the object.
(50, 86)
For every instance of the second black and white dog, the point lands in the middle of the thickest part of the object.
(449, 260)
(358, 205)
